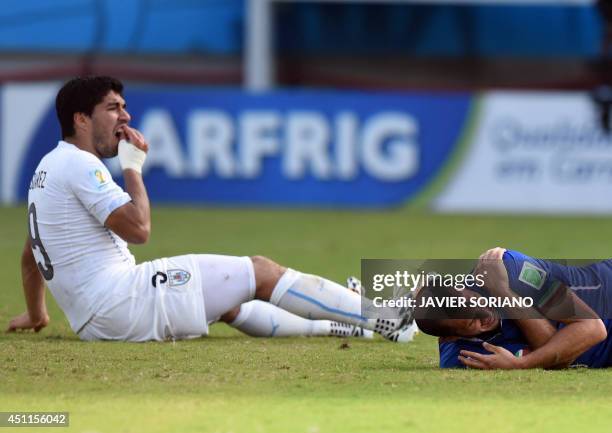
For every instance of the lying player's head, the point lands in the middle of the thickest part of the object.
(448, 320)
(92, 108)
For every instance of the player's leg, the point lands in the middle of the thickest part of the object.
(317, 298)
(228, 282)
(262, 319)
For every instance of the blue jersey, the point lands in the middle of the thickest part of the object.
(535, 278)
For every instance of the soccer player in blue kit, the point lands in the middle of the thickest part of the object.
(480, 338)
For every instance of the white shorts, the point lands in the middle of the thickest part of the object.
(172, 298)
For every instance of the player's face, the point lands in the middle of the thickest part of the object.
(482, 320)
(473, 327)
(106, 120)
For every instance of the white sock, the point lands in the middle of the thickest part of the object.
(316, 298)
(262, 319)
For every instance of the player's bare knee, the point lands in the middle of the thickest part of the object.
(267, 274)
(231, 315)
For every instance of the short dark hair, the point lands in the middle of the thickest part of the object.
(436, 327)
(81, 95)
(432, 319)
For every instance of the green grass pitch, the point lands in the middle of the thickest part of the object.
(231, 383)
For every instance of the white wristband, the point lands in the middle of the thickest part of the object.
(130, 156)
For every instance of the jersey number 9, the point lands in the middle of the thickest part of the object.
(46, 269)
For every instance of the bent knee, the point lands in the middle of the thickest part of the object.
(230, 316)
(267, 274)
(265, 266)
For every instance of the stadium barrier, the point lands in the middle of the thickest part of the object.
(452, 152)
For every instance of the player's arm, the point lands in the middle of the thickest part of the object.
(554, 349)
(36, 316)
(560, 351)
(567, 344)
(132, 221)
(583, 329)
(537, 331)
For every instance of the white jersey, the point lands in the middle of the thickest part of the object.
(71, 195)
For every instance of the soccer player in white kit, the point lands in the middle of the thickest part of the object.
(80, 222)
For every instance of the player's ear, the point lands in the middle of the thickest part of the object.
(80, 121)
(487, 328)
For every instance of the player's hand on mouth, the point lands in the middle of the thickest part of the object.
(119, 135)
(134, 136)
